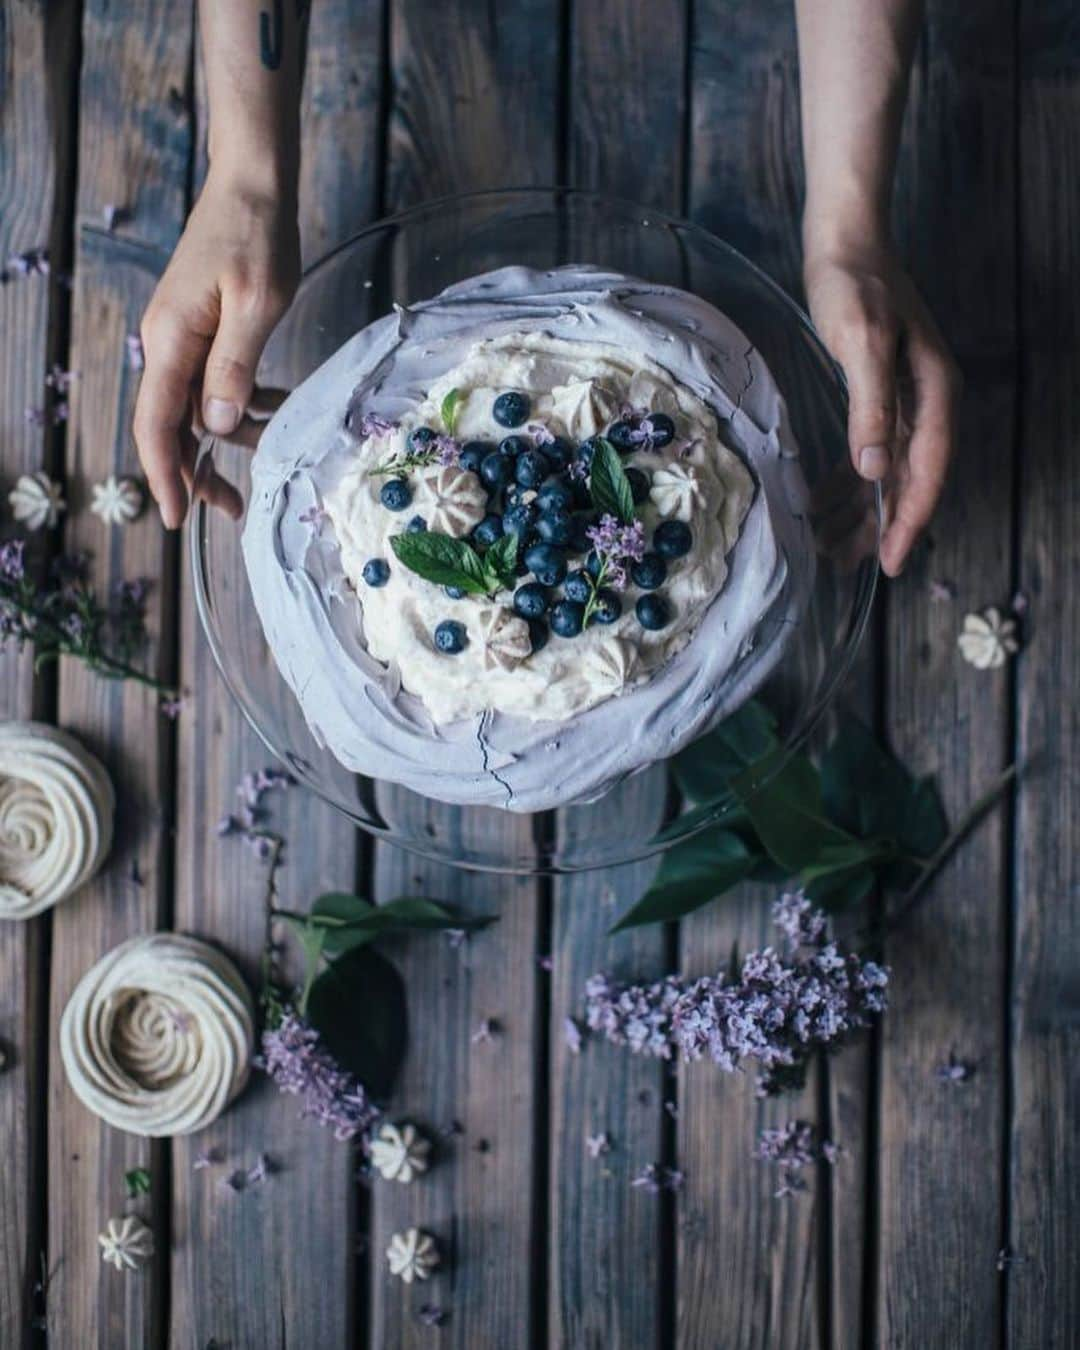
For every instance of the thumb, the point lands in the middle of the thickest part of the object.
(869, 362)
(229, 375)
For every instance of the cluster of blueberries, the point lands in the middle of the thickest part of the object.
(532, 494)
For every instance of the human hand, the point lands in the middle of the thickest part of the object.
(232, 276)
(903, 385)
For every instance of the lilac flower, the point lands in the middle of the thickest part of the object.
(485, 1031)
(313, 516)
(208, 1157)
(12, 565)
(445, 449)
(616, 544)
(432, 1316)
(136, 358)
(226, 825)
(578, 470)
(942, 590)
(34, 417)
(371, 424)
(262, 845)
(572, 1035)
(262, 1168)
(541, 435)
(171, 707)
(672, 1110)
(546, 963)
(955, 1070)
(596, 1145)
(60, 412)
(299, 1063)
(778, 1013)
(654, 1178)
(793, 1147)
(33, 260)
(456, 937)
(60, 379)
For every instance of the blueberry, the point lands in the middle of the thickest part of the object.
(489, 530)
(396, 494)
(556, 492)
(672, 539)
(650, 572)
(652, 611)
(663, 430)
(420, 438)
(592, 564)
(531, 601)
(639, 484)
(538, 634)
(560, 452)
(512, 446)
(608, 607)
(579, 538)
(454, 592)
(620, 434)
(582, 495)
(546, 564)
(555, 527)
(516, 495)
(416, 526)
(473, 453)
(531, 468)
(376, 572)
(510, 410)
(450, 637)
(495, 469)
(567, 618)
(577, 586)
(519, 518)
(585, 451)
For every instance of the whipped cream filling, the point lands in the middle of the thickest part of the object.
(572, 719)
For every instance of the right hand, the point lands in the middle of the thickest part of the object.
(232, 276)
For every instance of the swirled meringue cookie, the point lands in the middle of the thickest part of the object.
(493, 724)
(56, 817)
(157, 1037)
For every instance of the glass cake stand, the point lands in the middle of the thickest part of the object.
(413, 255)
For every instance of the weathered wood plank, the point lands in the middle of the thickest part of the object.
(35, 198)
(748, 1264)
(134, 148)
(937, 1244)
(463, 117)
(1042, 1290)
(601, 1291)
(243, 1265)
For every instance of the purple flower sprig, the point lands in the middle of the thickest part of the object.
(248, 820)
(616, 545)
(296, 1058)
(793, 1148)
(780, 1010)
(63, 615)
(441, 450)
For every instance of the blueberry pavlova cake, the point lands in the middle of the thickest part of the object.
(513, 543)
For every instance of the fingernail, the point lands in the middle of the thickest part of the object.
(873, 462)
(221, 417)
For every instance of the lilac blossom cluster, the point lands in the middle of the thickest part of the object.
(616, 545)
(247, 820)
(295, 1057)
(371, 424)
(794, 1147)
(779, 1011)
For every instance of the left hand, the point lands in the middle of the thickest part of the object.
(903, 384)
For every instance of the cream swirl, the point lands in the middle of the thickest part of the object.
(157, 1037)
(56, 817)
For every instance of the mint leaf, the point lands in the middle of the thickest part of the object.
(609, 486)
(449, 410)
(443, 560)
(501, 561)
(137, 1182)
(691, 875)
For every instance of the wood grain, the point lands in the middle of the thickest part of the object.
(1042, 1288)
(940, 1200)
(134, 148)
(243, 1263)
(35, 203)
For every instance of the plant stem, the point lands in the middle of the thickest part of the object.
(269, 997)
(934, 864)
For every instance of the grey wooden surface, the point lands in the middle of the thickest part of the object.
(694, 108)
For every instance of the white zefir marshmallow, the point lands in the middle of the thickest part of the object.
(56, 817)
(157, 1037)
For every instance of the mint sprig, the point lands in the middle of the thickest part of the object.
(448, 411)
(609, 486)
(454, 562)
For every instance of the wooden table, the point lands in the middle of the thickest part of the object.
(691, 108)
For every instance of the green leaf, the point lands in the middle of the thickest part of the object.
(923, 825)
(704, 769)
(449, 410)
(843, 889)
(137, 1182)
(501, 561)
(865, 789)
(609, 486)
(357, 1005)
(785, 808)
(690, 875)
(443, 560)
(347, 921)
